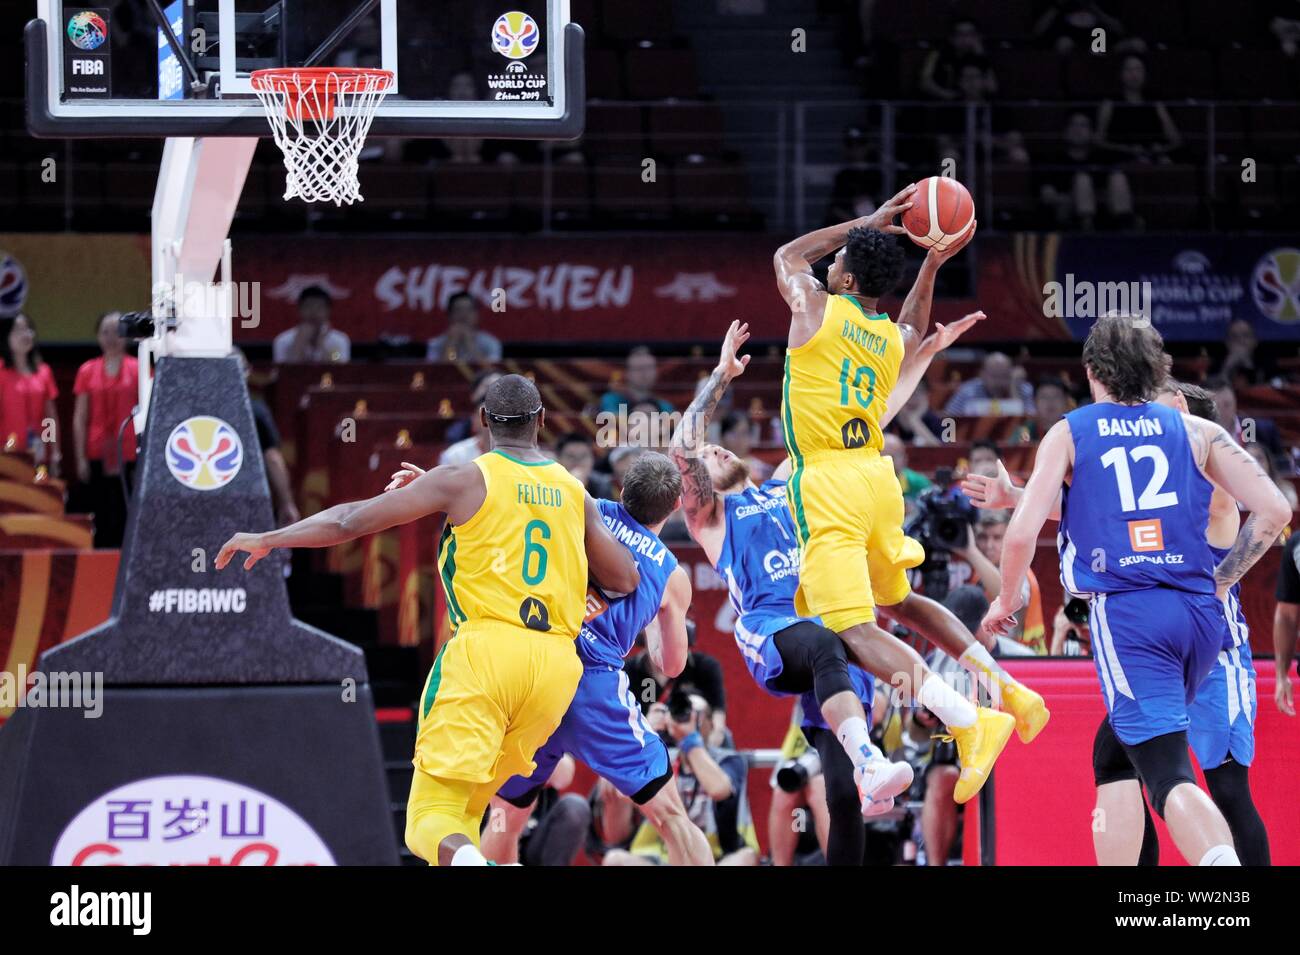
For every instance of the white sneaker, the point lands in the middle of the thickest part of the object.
(880, 780)
(877, 807)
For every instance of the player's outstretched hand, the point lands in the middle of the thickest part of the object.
(251, 543)
(1001, 617)
(1282, 696)
(883, 218)
(990, 493)
(940, 257)
(731, 364)
(404, 477)
(945, 335)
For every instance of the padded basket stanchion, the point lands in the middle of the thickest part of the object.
(320, 116)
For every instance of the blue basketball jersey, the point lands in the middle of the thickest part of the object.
(1136, 511)
(612, 623)
(759, 559)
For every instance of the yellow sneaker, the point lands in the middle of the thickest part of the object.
(978, 747)
(1027, 707)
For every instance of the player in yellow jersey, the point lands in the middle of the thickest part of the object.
(844, 359)
(522, 538)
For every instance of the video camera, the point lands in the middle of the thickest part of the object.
(941, 524)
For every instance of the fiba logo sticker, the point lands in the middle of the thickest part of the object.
(515, 35)
(87, 30)
(204, 453)
(1275, 285)
(13, 285)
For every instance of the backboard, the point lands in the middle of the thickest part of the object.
(489, 68)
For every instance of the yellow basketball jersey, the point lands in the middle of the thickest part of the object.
(838, 382)
(521, 559)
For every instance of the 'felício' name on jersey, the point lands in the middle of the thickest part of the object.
(647, 545)
(1137, 428)
(542, 495)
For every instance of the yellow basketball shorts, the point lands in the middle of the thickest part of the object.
(848, 511)
(495, 694)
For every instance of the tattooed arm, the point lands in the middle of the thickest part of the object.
(794, 265)
(1231, 467)
(699, 500)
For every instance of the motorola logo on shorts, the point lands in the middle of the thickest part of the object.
(534, 614)
(855, 433)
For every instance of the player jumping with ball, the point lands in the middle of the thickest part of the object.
(844, 359)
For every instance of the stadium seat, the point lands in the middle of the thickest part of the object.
(604, 75)
(1273, 131)
(1029, 74)
(619, 193)
(643, 20)
(715, 193)
(471, 193)
(682, 129)
(656, 73)
(1255, 75)
(614, 129)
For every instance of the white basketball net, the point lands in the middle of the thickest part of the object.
(320, 117)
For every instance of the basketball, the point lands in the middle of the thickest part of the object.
(942, 210)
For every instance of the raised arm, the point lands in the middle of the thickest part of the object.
(998, 493)
(699, 500)
(609, 563)
(917, 363)
(914, 316)
(794, 264)
(1055, 454)
(1231, 467)
(666, 637)
(452, 488)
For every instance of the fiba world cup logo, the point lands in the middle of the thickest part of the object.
(204, 453)
(515, 35)
(1276, 285)
(87, 30)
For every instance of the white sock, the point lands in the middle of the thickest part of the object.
(975, 659)
(468, 855)
(855, 736)
(946, 703)
(1220, 855)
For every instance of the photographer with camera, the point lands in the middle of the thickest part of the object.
(711, 781)
(1070, 634)
(798, 797)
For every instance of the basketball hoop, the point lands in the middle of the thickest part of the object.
(320, 116)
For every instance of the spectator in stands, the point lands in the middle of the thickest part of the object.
(941, 71)
(1134, 128)
(463, 340)
(102, 431)
(917, 423)
(463, 150)
(713, 782)
(1243, 430)
(620, 459)
(703, 673)
(983, 459)
(1075, 185)
(1000, 389)
(798, 805)
(1051, 402)
(1284, 25)
(1070, 634)
(27, 394)
(268, 439)
(312, 339)
(912, 482)
(858, 182)
(1067, 26)
(737, 436)
(1240, 361)
(1269, 464)
(638, 384)
(576, 453)
(1029, 629)
(467, 449)
(950, 124)
(467, 424)
(1286, 624)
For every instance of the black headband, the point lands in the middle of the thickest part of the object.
(507, 418)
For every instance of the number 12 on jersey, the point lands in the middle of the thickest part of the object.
(1152, 497)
